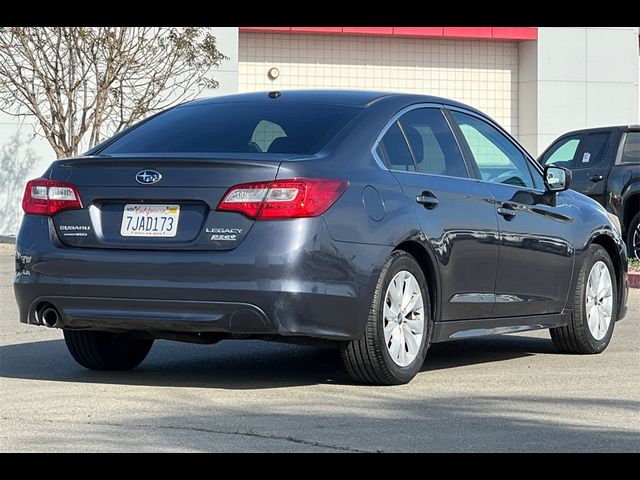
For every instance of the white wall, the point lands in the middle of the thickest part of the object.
(10, 196)
(575, 78)
(226, 74)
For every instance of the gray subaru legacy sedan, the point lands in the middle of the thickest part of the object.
(377, 222)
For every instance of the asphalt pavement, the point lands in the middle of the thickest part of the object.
(505, 394)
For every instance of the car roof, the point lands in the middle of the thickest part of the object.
(357, 98)
(624, 128)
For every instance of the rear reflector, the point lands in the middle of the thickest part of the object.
(47, 197)
(280, 199)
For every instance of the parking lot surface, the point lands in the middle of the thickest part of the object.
(508, 393)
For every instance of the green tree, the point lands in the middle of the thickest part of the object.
(83, 84)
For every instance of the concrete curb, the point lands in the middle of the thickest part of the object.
(7, 239)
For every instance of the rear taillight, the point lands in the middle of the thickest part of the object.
(47, 197)
(279, 199)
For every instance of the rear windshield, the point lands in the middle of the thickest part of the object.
(256, 127)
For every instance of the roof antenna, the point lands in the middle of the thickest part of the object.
(274, 94)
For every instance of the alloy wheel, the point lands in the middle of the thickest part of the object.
(635, 243)
(403, 318)
(599, 300)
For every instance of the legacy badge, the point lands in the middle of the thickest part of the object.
(224, 234)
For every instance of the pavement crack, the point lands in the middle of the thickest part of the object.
(251, 433)
(245, 433)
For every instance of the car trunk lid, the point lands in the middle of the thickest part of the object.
(157, 202)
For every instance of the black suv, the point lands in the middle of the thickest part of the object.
(606, 166)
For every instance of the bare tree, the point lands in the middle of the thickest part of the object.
(83, 84)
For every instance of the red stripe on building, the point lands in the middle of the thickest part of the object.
(316, 29)
(514, 33)
(418, 31)
(367, 30)
(475, 33)
(468, 32)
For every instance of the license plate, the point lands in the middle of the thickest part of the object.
(150, 220)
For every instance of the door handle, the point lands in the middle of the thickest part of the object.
(428, 200)
(597, 178)
(506, 211)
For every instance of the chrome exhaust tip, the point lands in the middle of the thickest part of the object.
(50, 317)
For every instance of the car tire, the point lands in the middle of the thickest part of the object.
(371, 359)
(106, 350)
(588, 331)
(633, 237)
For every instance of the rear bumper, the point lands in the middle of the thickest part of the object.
(152, 315)
(286, 278)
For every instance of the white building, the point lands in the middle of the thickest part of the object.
(538, 82)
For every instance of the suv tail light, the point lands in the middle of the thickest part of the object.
(48, 197)
(280, 199)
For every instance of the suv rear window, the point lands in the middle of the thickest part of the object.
(252, 127)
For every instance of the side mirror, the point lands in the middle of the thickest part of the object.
(557, 179)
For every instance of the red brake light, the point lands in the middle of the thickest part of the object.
(48, 197)
(280, 199)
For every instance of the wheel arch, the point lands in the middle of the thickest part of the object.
(613, 249)
(633, 200)
(428, 266)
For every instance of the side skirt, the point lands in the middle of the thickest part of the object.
(453, 330)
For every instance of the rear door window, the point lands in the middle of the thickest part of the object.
(432, 143)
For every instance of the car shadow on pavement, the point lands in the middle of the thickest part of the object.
(243, 364)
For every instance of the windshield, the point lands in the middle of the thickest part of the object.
(250, 127)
